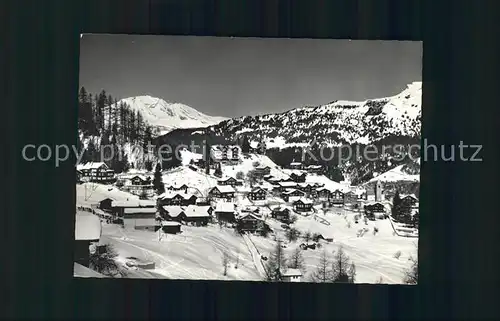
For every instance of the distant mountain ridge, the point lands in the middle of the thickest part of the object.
(386, 120)
(165, 116)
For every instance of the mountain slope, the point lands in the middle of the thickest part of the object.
(336, 123)
(169, 116)
(381, 122)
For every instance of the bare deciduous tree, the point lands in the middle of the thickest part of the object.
(292, 234)
(307, 236)
(276, 263)
(411, 275)
(323, 273)
(342, 269)
(296, 260)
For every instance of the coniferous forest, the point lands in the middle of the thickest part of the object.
(103, 121)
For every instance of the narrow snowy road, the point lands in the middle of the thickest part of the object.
(255, 256)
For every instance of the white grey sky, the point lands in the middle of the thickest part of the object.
(246, 76)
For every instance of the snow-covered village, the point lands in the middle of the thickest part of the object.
(248, 203)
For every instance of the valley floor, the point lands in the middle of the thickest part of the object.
(197, 252)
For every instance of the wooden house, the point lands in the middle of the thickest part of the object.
(257, 194)
(170, 227)
(303, 205)
(171, 212)
(118, 207)
(139, 212)
(175, 198)
(230, 181)
(283, 186)
(337, 198)
(222, 192)
(291, 275)
(305, 187)
(267, 177)
(140, 180)
(97, 172)
(262, 171)
(314, 168)
(182, 187)
(296, 165)
(290, 195)
(225, 212)
(375, 210)
(249, 222)
(235, 153)
(105, 204)
(298, 177)
(409, 200)
(145, 224)
(281, 214)
(323, 193)
(196, 215)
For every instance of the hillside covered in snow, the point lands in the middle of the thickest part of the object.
(379, 122)
(165, 116)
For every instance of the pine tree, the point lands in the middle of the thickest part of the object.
(296, 260)
(276, 263)
(92, 153)
(245, 145)
(148, 137)
(158, 180)
(396, 203)
(323, 273)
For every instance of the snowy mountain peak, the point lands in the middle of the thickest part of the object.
(167, 116)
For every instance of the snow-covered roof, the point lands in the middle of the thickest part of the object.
(141, 221)
(251, 215)
(305, 184)
(170, 223)
(101, 212)
(292, 272)
(256, 189)
(91, 165)
(408, 195)
(224, 179)
(81, 271)
(304, 201)
(287, 184)
(224, 207)
(87, 226)
(290, 191)
(147, 203)
(142, 177)
(314, 166)
(129, 203)
(295, 163)
(197, 211)
(172, 194)
(298, 173)
(139, 210)
(225, 189)
(173, 211)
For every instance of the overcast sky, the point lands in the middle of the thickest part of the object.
(247, 76)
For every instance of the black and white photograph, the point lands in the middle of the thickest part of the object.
(248, 159)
